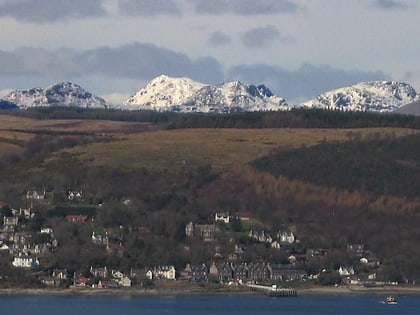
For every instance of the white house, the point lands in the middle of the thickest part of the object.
(23, 261)
(162, 272)
(46, 231)
(285, 237)
(346, 271)
(222, 217)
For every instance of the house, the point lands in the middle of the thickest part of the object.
(258, 272)
(100, 239)
(4, 247)
(124, 282)
(260, 236)
(82, 282)
(50, 281)
(10, 223)
(76, 218)
(241, 272)
(25, 261)
(226, 272)
(39, 248)
(189, 229)
(117, 274)
(206, 232)
(74, 194)
(162, 272)
(99, 272)
(26, 213)
(34, 195)
(222, 217)
(60, 274)
(275, 245)
(285, 237)
(197, 273)
(21, 238)
(121, 279)
(109, 284)
(46, 231)
(346, 271)
(287, 272)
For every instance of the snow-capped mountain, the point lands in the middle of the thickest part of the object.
(185, 95)
(378, 96)
(163, 92)
(60, 94)
(234, 97)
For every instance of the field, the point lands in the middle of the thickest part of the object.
(221, 148)
(139, 145)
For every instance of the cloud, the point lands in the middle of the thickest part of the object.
(47, 11)
(261, 36)
(38, 62)
(219, 39)
(142, 60)
(304, 83)
(132, 61)
(389, 4)
(147, 8)
(243, 7)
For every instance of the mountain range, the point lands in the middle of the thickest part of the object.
(165, 93)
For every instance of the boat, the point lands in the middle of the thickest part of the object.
(390, 300)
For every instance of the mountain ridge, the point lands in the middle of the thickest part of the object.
(377, 96)
(165, 93)
(182, 94)
(58, 94)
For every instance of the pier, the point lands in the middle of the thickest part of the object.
(273, 290)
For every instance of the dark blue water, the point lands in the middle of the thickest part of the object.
(220, 305)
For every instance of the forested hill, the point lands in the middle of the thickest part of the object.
(295, 118)
(378, 166)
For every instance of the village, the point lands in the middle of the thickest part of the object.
(231, 261)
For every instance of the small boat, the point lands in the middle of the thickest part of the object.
(390, 300)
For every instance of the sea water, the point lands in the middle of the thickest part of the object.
(219, 305)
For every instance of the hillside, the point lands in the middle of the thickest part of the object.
(142, 183)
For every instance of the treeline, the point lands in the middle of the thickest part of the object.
(295, 118)
(378, 166)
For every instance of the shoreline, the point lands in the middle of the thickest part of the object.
(222, 290)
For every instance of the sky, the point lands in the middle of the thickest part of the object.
(297, 48)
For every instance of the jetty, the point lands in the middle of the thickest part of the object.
(273, 290)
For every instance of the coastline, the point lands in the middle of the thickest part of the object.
(219, 290)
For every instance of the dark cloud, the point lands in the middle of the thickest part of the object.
(38, 62)
(261, 36)
(219, 39)
(389, 4)
(145, 61)
(244, 7)
(48, 11)
(133, 61)
(148, 7)
(303, 84)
